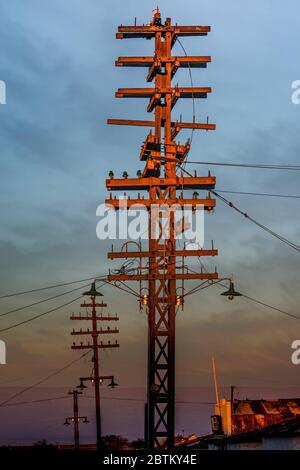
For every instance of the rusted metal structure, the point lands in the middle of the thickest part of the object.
(249, 415)
(95, 378)
(163, 156)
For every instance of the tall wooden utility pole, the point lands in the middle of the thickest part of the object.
(162, 154)
(75, 419)
(95, 378)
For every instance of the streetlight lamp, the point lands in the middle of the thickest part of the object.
(231, 292)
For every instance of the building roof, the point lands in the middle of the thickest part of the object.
(287, 407)
(287, 428)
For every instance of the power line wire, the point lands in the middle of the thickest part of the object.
(39, 315)
(292, 196)
(143, 401)
(140, 400)
(45, 313)
(41, 400)
(262, 226)
(49, 287)
(291, 315)
(264, 304)
(221, 284)
(53, 374)
(192, 87)
(249, 165)
(42, 301)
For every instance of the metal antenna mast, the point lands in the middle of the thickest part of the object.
(161, 154)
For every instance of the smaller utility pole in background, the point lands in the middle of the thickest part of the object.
(95, 377)
(75, 419)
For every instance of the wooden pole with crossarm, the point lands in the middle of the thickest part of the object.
(95, 332)
(162, 156)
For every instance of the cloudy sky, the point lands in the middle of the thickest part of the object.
(57, 60)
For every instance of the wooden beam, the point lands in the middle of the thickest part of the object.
(189, 182)
(179, 125)
(85, 317)
(151, 254)
(145, 277)
(127, 32)
(146, 203)
(186, 92)
(185, 61)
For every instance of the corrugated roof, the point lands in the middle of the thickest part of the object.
(285, 407)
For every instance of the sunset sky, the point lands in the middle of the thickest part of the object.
(57, 60)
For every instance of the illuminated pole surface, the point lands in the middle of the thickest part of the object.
(160, 150)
